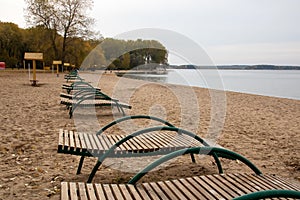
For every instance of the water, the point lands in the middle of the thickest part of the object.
(276, 83)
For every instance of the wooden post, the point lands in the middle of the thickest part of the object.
(33, 73)
(57, 70)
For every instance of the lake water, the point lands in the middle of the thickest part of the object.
(276, 83)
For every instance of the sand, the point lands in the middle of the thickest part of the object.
(263, 129)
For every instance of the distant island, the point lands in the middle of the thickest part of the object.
(238, 67)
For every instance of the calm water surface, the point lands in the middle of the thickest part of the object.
(277, 83)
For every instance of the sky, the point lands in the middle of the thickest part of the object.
(229, 31)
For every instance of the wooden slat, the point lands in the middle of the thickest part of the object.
(248, 179)
(139, 146)
(125, 192)
(217, 187)
(175, 140)
(108, 192)
(60, 139)
(150, 191)
(106, 143)
(190, 187)
(100, 192)
(143, 143)
(161, 143)
(208, 187)
(149, 143)
(82, 191)
(100, 148)
(183, 189)
(167, 191)
(246, 188)
(114, 139)
(93, 143)
(77, 142)
(266, 182)
(175, 190)
(185, 140)
(117, 192)
(276, 183)
(72, 142)
(87, 142)
(158, 191)
(91, 191)
(200, 188)
(64, 191)
(82, 142)
(282, 181)
(152, 140)
(129, 146)
(221, 178)
(66, 142)
(136, 195)
(73, 191)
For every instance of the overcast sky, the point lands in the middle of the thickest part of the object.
(230, 31)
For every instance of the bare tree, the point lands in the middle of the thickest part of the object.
(68, 18)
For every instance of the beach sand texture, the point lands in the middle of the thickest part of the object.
(263, 129)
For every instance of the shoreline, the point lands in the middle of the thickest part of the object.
(263, 129)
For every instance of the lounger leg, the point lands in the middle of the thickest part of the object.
(123, 112)
(193, 158)
(95, 169)
(71, 111)
(80, 165)
(219, 165)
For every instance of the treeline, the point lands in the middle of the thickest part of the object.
(91, 53)
(121, 54)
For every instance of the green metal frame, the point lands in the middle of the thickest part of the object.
(75, 77)
(97, 95)
(117, 122)
(220, 152)
(133, 117)
(148, 130)
(79, 93)
(82, 85)
(270, 194)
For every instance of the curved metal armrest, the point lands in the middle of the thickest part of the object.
(140, 132)
(195, 150)
(133, 117)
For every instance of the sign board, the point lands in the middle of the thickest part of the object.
(67, 64)
(57, 62)
(33, 56)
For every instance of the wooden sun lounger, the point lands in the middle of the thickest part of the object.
(93, 98)
(145, 142)
(222, 186)
(77, 86)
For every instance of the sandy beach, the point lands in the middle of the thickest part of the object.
(263, 129)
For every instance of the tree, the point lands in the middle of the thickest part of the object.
(67, 18)
(10, 43)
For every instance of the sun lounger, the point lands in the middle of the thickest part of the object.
(224, 186)
(145, 142)
(77, 94)
(236, 186)
(93, 98)
(73, 75)
(79, 85)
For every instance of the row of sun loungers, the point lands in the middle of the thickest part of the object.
(165, 140)
(82, 94)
